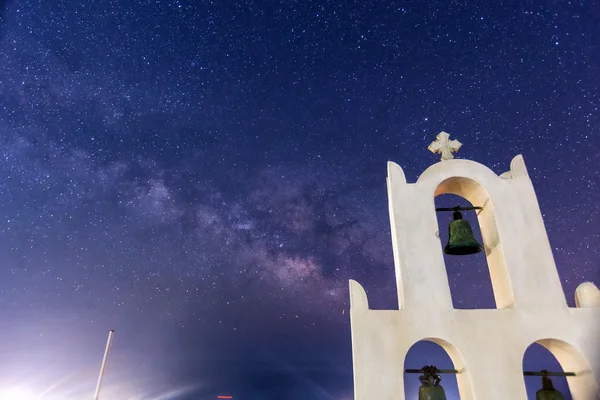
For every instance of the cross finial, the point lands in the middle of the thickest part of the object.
(444, 146)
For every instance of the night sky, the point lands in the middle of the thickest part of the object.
(205, 176)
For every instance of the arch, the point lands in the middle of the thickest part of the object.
(518, 253)
(582, 386)
(468, 277)
(463, 380)
(458, 167)
(477, 195)
(537, 358)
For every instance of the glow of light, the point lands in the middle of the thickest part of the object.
(18, 394)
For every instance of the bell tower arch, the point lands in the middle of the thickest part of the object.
(519, 256)
(491, 342)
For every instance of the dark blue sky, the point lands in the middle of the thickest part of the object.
(205, 177)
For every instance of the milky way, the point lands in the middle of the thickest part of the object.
(204, 177)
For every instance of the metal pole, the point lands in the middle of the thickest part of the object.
(457, 208)
(439, 371)
(546, 373)
(103, 367)
(525, 373)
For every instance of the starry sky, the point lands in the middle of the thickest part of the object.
(205, 176)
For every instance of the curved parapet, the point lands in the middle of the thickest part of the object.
(358, 297)
(517, 168)
(395, 174)
(587, 295)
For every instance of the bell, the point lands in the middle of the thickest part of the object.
(430, 385)
(461, 240)
(547, 392)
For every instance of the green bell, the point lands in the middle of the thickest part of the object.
(430, 385)
(547, 392)
(460, 239)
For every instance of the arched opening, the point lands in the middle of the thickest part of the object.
(468, 276)
(538, 358)
(470, 284)
(558, 356)
(444, 356)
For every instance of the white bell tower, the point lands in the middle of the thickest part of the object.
(486, 345)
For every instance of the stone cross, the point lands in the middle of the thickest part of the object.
(444, 146)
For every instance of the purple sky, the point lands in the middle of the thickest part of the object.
(205, 177)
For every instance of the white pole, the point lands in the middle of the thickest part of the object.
(108, 344)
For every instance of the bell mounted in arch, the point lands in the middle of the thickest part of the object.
(430, 388)
(547, 392)
(461, 241)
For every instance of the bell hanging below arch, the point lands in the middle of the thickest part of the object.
(547, 392)
(461, 241)
(430, 385)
